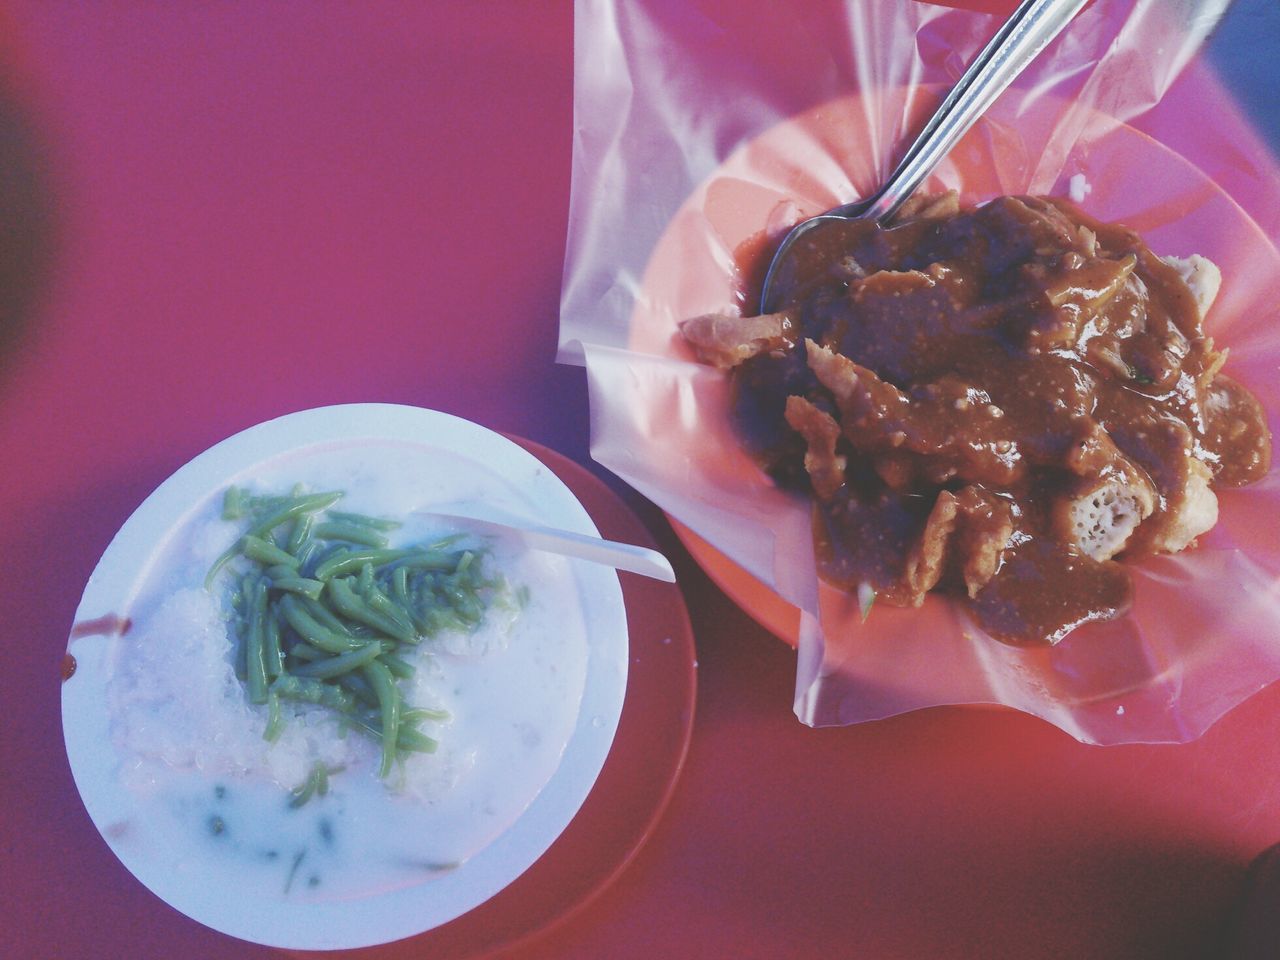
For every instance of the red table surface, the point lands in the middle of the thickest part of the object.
(254, 209)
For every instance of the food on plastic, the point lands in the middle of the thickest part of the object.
(996, 402)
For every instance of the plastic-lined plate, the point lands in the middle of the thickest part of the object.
(467, 457)
(1198, 634)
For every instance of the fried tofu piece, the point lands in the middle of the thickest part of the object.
(929, 206)
(1112, 496)
(1191, 514)
(821, 432)
(1102, 515)
(927, 560)
(1204, 280)
(985, 530)
(724, 341)
(967, 533)
(1201, 276)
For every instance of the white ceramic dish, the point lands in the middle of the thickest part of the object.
(229, 879)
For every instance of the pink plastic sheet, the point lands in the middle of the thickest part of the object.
(702, 128)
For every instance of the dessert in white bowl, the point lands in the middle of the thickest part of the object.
(285, 821)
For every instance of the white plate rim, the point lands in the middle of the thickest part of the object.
(400, 913)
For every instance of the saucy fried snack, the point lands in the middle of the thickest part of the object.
(995, 402)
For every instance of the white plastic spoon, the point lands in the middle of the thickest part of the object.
(621, 556)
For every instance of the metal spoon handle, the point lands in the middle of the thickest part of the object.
(1019, 41)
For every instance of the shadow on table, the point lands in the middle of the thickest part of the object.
(26, 224)
(1252, 928)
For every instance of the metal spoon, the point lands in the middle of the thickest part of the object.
(1019, 41)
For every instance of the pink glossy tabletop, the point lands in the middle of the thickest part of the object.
(214, 214)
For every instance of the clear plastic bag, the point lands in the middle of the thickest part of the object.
(703, 127)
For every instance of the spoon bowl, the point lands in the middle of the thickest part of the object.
(1015, 45)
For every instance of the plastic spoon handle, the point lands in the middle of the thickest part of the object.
(621, 556)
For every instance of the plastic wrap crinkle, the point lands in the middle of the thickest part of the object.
(703, 127)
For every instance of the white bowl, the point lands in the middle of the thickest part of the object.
(203, 828)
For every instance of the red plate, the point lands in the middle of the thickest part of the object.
(1196, 636)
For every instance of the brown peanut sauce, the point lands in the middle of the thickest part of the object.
(1018, 357)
